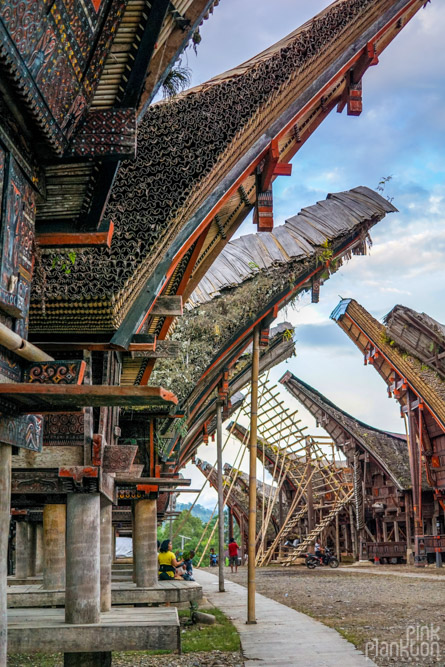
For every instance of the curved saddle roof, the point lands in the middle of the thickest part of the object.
(191, 151)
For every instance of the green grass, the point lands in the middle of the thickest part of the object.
(219, 637)
(35, 660)
(349, 635)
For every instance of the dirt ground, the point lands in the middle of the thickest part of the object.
(395, 620)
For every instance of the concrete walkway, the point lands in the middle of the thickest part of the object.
(282, 636)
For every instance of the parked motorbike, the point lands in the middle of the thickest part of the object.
(326, 559)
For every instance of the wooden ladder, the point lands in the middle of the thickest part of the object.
(301, 548)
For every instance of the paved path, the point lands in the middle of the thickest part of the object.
(387, 573)
(282, 636)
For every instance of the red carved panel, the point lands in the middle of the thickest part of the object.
(55, 372)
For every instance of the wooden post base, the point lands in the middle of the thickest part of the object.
(102, 659)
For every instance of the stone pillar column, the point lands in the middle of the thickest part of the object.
(144, 543)
(32, 537)
(22, 550)
(106, 553)
(54, 535)
(5, 499)
(82, 596)
(133, 537)
(38, 555)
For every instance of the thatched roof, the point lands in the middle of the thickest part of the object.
(388, 450)
(301, 236)
(362, 328)
(257, 271)
(419, 334)
(191, 151)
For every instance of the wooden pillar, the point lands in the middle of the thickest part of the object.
(434, 532)
(385, 530)
(252, 477)
(54, 536)
(38, 553)
(346, 538)
(100, 659)
(353, 534)
(23, 554)
(409, 543)
(5, 509)
(106, 553)
(396, 532)
(309, 494)
(337, 537)
(219, 472)
(243, 545)
(133, 538)
(145, 544)
(82, 597)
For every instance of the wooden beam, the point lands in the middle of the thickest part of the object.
(139, 343)
(167, 306)
(165, 349)
(77, 239)
(164, 481)
(38, 398)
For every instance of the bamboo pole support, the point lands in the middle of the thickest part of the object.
(252, 477)
(220, 496)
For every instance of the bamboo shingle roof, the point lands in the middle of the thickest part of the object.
(419, 334)
(300, 237)
(191, 151)
(387, 449)
(362, 328)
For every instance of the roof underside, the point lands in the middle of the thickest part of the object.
(186, 147)
(297, 239)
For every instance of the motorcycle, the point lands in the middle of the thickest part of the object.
(327, 558)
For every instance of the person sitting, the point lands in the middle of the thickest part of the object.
(167, 562)
(188, 564)
(318, 550)
(213, 557)
(233, 554)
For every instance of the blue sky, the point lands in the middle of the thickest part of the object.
(401, 133)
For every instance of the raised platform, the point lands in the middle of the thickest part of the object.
(122, 593)
(122, 629)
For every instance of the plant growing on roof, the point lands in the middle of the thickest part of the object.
(177, 80)
(64, 262)
(326, 251)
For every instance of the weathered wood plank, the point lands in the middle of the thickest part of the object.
(49, 457)
(168, 306)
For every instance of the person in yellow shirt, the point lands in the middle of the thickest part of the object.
(167, 562)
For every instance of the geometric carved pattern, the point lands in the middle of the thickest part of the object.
(119, 458)
(55, 372)
(60, 429)
(109, 132)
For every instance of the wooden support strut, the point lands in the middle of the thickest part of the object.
(263, 214)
